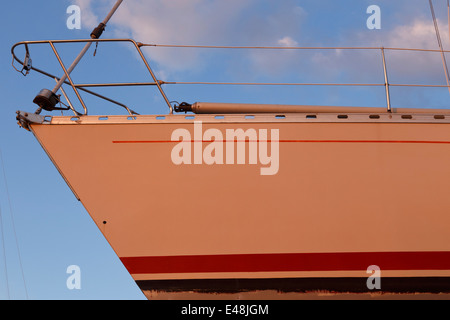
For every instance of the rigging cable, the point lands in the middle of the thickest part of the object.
(13, 224)
(438, 36)
(4, 253)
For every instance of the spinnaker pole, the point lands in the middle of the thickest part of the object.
(47, 99)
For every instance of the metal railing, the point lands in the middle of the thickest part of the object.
(77, 87)
(159, 83)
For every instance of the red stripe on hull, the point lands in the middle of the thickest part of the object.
(349, 261)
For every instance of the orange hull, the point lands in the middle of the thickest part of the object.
(292, 207)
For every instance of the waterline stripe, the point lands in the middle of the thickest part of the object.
(338, 261)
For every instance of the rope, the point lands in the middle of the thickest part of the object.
(4, 253)
(13, 224)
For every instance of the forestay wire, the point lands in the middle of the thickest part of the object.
(438, 36)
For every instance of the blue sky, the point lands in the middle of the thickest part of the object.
(53, 229)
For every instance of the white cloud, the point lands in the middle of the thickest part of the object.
(412, 66)
(403, 66)
(180, 22)
(418, 34)
(265, 22)
(287, 42)
(89, 19)
(209, 22)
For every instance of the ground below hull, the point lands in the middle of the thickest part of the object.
(297, 289)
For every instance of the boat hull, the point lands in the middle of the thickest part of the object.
(303, 207)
